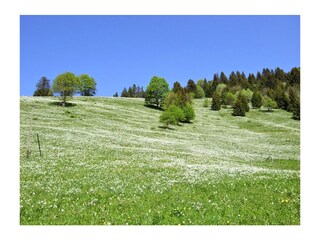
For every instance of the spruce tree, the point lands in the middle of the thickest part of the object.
(177, 87)
(43, 88)
(124, 93)
(256, 100)
(240, 107)
(296, 111)
(281, 98)
(216, 103)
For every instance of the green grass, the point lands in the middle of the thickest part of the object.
(107, 161)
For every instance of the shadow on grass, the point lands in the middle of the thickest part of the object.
(266, 110)
(186, 122)
(153, 107)
(164, 127)
(67, 104)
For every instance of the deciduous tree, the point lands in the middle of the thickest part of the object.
(156, 91)
(87, 85)
(66, 84)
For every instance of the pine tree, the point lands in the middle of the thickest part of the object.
(296, 111)
(256, 100)
(43, 88)
(281, 98)
(233, 80)
(240, 107)
(216, 102)
(191, 86)
(177, 87)
(294, 102)
(124, 93)
(223, 78)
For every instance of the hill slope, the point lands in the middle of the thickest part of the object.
(107, 161)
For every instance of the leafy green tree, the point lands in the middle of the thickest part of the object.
(172, 116)
(116, 94)
(220, 88)
(156, 91)
(229, 99)
(256, 100)
(216, 102)
(269, 103)
(247, 93)
(199, 92)
(66, 84)
(188, 112)
(240, 107)
(43, 88)
(87, 85)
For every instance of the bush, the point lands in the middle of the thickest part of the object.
(172, 116)
(199, 92)
(179, 99)
(206, 103)
(188, 113)
(229, 99)
(269, 103)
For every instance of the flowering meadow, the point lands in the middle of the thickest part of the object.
(108, 161)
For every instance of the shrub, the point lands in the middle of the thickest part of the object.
(179, 99)
(229, 99)
(269, 103)
(206, 103)
(188, 113)
(172, 116)
(199, 92)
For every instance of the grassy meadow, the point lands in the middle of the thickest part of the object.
(107, 161)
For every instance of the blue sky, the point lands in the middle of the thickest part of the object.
(118, 51)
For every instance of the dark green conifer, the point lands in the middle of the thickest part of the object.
(216, 102)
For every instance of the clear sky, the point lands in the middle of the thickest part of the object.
(118, 51)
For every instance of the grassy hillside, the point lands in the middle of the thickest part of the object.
(107, 161)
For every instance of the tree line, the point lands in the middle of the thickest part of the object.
(132, 92)
(269, 88)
